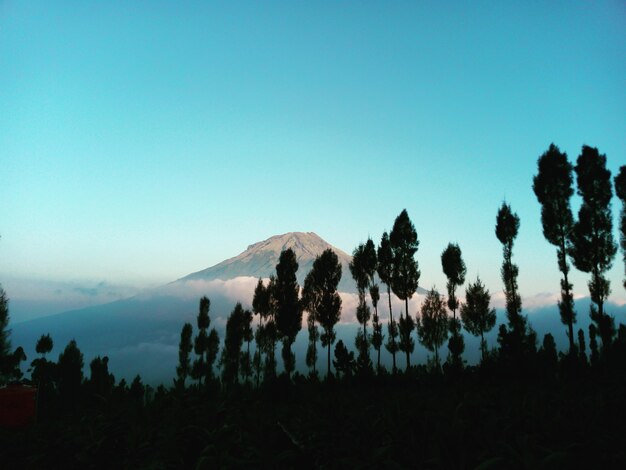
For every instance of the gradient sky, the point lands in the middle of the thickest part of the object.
(139, 143)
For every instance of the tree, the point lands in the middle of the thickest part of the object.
(405, 275)
(311, 302)
(205, 344)
(261, 307)
(377, 327)
(70, 375)
(184, 349)
(476, 315)
(432, 327)
(582, 348)
(6, 358)
(344, 360)
(101, 382)
(620, 190)
(362, 267)
(324, 278)
(288, 306)
(232, 345)
(455, 270)
(44, 345)
(593, 247)
(385, 272)
(248, 335)
(553, 187)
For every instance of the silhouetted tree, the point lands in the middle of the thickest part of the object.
(100, 382)
(476, 315)
(362, 267)
(248, 335)
(385, 272)
(288, 306)
(432, 326)
(344, 360)
(548, 358)
(553, 187)
(593, 248)
(70, 375)
(454, 269)
(324, 278)
(270, 332)
(44, 345)
(405, 275)
(513, 342)
(620, 190)
(311, 302)
(582, 348)
(6, 358)
(593, 344)
(137, 392)
(184, 349)
(261, 307)
(377, 327)
(232, 345)
(206, 346)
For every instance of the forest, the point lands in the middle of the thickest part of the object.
(240, 401)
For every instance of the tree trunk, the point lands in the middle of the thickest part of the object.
(408, 353)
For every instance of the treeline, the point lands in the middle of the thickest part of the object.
(587, 241)
(279, 305)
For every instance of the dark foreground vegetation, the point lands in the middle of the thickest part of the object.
(523, 406)
(414, 420)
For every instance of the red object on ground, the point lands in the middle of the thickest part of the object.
(18, 405)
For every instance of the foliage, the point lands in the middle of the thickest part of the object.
(476, 315)
(455, 270)
(593, 247)
(321, 296)
(432, 326)
(385, 273)
(184, 349)
(288, 315)
(620, 190)
(553, 187)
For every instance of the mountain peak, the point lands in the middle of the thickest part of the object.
(260, 259)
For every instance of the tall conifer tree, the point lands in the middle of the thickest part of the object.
(454, 269)
(593, 247)
(553, 187)
(385, 271)
(405, 275)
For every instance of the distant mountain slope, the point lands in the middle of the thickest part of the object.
(260, 259)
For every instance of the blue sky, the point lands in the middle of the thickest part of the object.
(142, 142)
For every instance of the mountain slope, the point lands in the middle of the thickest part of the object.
(260, 259)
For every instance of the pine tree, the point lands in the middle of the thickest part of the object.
(184, 349)
(70, 375)
(593, 247)
(377, 327)
(233, 341)
(311, 302)
(582, 348)
(405, 275)
(261, 307)
(385, 271)
(362, 267)
(324, 278)
(288, 306)
(620, 190)
(205, 345)
(248, 335)
(553, 187)
(476, 315)
(344, 361)
(455, 270)
(432, 326)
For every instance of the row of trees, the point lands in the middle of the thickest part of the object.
(587, 242)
